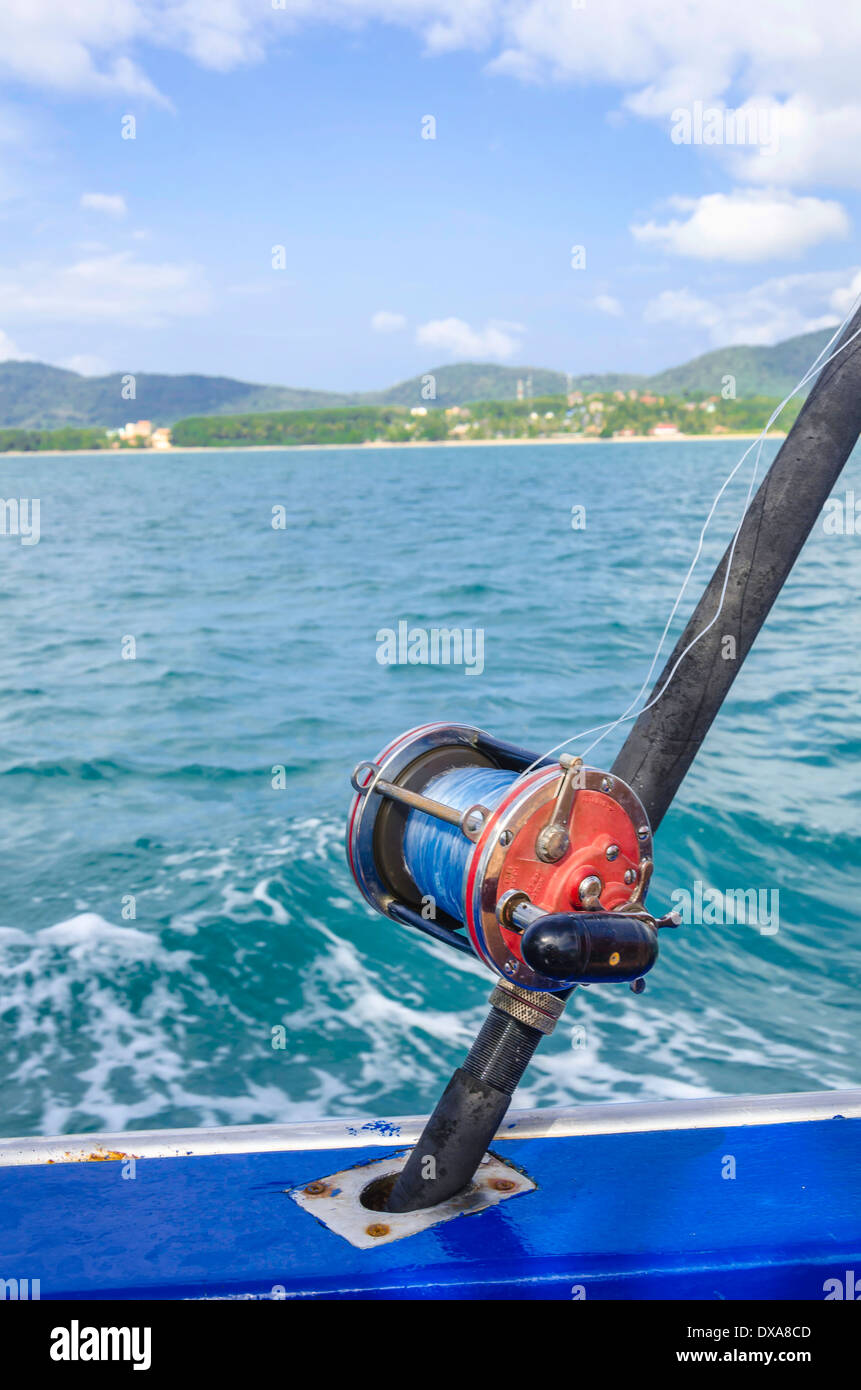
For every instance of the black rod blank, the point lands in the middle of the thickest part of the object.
(663, 742)
(665, 739)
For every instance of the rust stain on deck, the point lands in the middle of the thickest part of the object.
(97, 1156)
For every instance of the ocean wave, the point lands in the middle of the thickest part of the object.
(109, 770)
(145, 788)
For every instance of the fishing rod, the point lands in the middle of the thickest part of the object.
(545, 861)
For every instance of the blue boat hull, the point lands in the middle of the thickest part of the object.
(760, 1209)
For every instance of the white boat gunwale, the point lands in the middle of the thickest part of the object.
(627, 1117)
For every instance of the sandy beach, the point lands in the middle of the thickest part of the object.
(382, 444)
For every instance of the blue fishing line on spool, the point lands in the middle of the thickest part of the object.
(436, 853)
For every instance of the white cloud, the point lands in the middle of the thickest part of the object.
(746, 225)
(672, 53)
(457, 339)
(843, 298)
(220, 35)
(608, 304)
(10, 352)
(815, 145)
(86, 364)
(114, 204)
(106, 288)
(77, 45)
(384, 322)
(656, 56)
(766, 313)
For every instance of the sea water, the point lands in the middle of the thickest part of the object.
(191, 663)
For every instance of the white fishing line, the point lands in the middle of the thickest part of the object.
(631, 712)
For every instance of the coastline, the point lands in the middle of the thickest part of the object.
(415, 444)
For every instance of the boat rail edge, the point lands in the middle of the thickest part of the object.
(629, 1117)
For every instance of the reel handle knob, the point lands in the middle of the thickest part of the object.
(589, 947)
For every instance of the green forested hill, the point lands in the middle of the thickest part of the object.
(759, 371)
(36, 396)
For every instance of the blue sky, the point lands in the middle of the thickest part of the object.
(259, 126)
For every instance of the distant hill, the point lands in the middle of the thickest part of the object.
(759, 371)
(36, 396)
(488, 381)
(470, 381)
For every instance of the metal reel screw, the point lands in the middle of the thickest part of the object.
(612, 852)
(590, 888)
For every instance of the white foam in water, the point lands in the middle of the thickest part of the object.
(116, 1027)
(105, 1009)
(89, 934)
(67, 984)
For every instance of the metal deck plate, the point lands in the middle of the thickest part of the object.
(335, 1200)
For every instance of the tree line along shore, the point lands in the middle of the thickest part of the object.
(599, 415)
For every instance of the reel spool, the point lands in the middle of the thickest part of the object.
(547, 869)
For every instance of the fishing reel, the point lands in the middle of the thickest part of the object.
(544, 862)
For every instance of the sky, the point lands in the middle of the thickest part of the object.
(340, 194)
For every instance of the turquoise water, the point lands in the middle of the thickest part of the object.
(152, 778)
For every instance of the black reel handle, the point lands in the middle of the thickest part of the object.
(591, 947)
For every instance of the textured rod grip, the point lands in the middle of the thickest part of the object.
(467, 1116)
